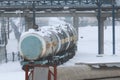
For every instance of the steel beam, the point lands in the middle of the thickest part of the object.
(58, 14)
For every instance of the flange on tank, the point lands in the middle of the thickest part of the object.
(46, 41)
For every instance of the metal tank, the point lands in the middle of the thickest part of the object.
(47, 40)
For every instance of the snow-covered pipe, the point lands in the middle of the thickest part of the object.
(36, 44)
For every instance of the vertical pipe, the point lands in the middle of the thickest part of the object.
(6, 59)
(113, 26)
(99, 25)
(34, 13)
(4, 36)
(8, 28)
(13, 56)
(76, 22)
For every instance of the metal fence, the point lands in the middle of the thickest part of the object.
(14, 56)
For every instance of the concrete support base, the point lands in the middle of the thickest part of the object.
(84, 72)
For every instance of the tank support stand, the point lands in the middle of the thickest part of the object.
(32, 74)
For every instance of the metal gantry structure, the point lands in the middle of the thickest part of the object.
(56, 5)
(29, 9)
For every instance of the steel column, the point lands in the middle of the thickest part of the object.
(100, 29)
(4, 37)
(113, 26)
(28, 20)
(76, 22)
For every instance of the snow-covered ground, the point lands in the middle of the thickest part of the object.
(12, 45)
(11, 71)
(88, 46)
(87, 52)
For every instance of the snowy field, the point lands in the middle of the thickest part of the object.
(87, 52)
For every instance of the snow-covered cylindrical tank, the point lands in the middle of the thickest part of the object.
(48, 40)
